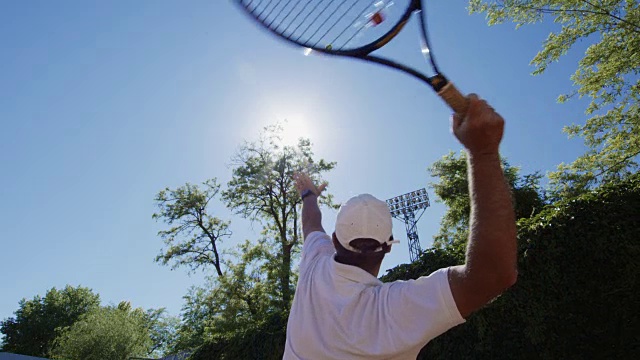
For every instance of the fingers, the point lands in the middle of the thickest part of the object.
(477, 108)
(458, 119)
(474, 99)
(480, 130)
(475, 105)
(303, 182)
(300, 181)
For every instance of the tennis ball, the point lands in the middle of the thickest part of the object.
(328, 47)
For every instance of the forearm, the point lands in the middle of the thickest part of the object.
(492, 247)
(311, 215)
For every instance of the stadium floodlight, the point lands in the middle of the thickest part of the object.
(405, 207)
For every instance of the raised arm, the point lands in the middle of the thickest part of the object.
(491, 259)
(311, 215)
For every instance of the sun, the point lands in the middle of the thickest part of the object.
(297, 117)
(294, 128)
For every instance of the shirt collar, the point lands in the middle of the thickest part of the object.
(355, 273)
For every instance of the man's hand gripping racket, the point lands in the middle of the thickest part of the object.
(480, 130)
(353, 28)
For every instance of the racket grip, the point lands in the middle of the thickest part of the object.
(454, 98)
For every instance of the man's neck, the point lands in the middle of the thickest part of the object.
(373, 270)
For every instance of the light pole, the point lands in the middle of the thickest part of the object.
(408, 208)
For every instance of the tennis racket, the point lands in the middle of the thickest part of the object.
(354, 29)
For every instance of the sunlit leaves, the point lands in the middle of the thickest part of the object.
(33, 328)
(256, 279)
(262, 190)
(608, 74)
(112, 332)
(194, 236)
(452, 189)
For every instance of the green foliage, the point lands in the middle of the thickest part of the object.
(576, 295)
(249, 290)
(429, 261)
(115, 333)
(262, 190)
(197, 312)
(263, 340)
(452, 189)
(163, 331)
(586, 251)
(33, 329)
(608, 74)
(193, 239)
(244, 296)
(256, 279)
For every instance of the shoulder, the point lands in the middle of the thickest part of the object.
(424, 288)
(316, 235)
(316, 243)
(315, 239)
(424, 304)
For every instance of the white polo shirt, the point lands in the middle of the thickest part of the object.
(343, 312)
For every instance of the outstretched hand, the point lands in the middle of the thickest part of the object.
(303, 182)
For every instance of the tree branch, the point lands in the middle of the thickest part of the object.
(635, 27)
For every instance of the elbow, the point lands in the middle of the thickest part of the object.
(505, 279)
(500, 281)
(510, 278)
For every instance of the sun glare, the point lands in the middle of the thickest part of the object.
(294, 128)
(297, 119)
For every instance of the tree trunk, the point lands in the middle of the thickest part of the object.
(285, 275)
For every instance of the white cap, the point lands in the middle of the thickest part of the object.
(364, 217)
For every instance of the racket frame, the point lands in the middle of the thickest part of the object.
(440, 84)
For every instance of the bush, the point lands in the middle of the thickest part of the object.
(264, 341)
(577, 290)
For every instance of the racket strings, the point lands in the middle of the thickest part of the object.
(314, 23)
(323, 23)
(304, 19)
(362, 27)
(259, 15)
(346, 28)
(279, 13)
(291, 11)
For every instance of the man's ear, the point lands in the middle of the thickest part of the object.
(388, 249)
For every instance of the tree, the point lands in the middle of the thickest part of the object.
(263, 340)
(33, 329)
(452, 188)
(249, 291)
(607, 74)
(163, 330)
(193, 239)
(262, 190)
(254, 280)
(230, 304)
(197, 312)
(112, 332)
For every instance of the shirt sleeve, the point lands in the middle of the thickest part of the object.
(317, 243)
(420, 310)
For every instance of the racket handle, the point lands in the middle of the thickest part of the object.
(454, 98)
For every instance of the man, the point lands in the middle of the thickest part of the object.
(342, 311)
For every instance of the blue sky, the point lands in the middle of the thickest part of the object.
(103, 104)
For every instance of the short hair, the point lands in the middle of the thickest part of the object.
(367, 258)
